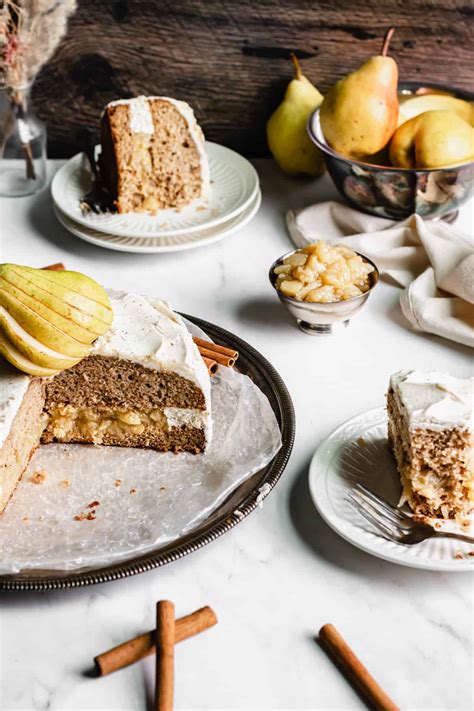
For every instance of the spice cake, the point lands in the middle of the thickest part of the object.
(430, 434)
(153, 154)
(144, 384)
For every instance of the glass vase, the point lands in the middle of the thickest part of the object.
(22, 144)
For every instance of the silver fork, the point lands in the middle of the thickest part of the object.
(393, 524)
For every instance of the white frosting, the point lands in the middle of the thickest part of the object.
(146, 331)
(13, 386)
(434, 401)
(141, 121)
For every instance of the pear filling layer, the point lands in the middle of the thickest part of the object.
(94, 424)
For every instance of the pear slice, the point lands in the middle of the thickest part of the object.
(73, 307)
(34, 350)
(79, 284)
(47, 331)
(17, 359)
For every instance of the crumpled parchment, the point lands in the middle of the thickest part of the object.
(145, 498)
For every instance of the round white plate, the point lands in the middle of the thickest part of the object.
(234, 184)
(358, 451)
(154, 245)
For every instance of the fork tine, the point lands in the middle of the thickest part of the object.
(386, 531)
(381, 512)
(383, 504)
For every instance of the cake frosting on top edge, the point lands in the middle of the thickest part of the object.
(433, 400)
(13, 387)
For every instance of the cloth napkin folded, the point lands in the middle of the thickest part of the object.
(433, 261)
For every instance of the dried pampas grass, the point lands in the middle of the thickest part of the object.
(30, 31)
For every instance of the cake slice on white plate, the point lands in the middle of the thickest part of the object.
(152, 154)
(430, 431)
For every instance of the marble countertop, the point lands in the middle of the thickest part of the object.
(282, 573)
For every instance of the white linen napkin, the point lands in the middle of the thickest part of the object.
(433, 261)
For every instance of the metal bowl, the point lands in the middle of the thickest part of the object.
(397, 193)
(323, 319)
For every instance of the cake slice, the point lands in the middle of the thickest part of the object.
(153, 154)
(144, 384)
(21, 425)
(430, 433)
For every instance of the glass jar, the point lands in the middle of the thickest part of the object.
(22, 144)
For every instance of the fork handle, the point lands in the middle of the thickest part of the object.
(457, 536)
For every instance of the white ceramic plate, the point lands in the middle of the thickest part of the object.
(234, 185)
(358, 451)
(170, 243)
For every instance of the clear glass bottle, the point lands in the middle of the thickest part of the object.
(22, 144)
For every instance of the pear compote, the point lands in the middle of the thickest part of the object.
(323, 273)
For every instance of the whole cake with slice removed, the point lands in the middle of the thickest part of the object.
(430, 431)
(152, 154)
(141, 381)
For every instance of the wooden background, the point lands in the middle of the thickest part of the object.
(229, 58)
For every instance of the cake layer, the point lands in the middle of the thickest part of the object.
(23, 437)
(163, 429)
(153, 154)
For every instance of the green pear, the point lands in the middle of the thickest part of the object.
(416, 105)
(434, 139)
(49, 320)
(359, 113)
(287, 137)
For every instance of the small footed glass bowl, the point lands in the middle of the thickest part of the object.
(318, 319)
(397, 193)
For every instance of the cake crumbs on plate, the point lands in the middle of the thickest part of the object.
(162, 488)
(93, 505)
(38, 476)
(118, 482)
(471, 553)
(458, 555)
(133, 491)
(25, 519)
(64, 484)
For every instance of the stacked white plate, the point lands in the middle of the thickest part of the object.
(233, 201)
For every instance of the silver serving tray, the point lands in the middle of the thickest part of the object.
(238, 506)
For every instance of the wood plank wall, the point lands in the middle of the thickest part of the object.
(229, 58)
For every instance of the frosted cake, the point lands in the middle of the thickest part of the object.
(153, 154)
(431, 435)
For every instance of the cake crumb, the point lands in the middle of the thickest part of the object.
(64, 483)
(459, 556)
(118, 482)
(85, 516)
(25, 519)
(133, 491)
(471, 553)
(38, 476)
(162, 488)
(93, 505)
(361, 442)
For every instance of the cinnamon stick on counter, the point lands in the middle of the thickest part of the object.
(165, 637)
(355, 670)
(135, 649)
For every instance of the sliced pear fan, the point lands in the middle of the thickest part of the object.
(49, 320)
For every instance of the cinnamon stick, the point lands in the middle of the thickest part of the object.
(355, 670)
(165, 636)
(211, 365)
(142, 646)
(58, 267)
(228, 361)
(230, 352)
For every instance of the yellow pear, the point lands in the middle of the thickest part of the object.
(416, 105)
(434, 139)
(360, 112)
(287, 137)
(49, 320)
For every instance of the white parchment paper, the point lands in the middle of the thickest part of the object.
(146, 498)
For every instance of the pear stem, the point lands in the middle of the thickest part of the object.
(296, 66)
(386, 41)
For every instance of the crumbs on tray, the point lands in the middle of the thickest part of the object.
(38, 476)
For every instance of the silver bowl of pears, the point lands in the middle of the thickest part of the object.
(323, 285)
(396, 148)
